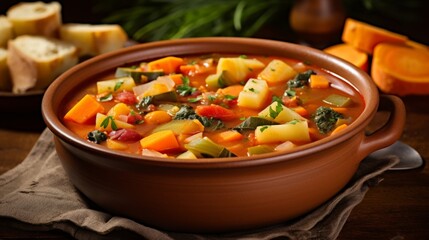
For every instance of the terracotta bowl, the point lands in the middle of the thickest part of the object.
(221, 194)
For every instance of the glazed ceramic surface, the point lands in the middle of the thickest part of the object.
(218, 194)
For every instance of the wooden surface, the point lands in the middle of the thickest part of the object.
(397, 208)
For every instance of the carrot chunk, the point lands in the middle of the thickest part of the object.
(338, 129)
(227, 136)
(350, 54)
(160, 141)
(168, 64)
(84, 110)
(319, 81)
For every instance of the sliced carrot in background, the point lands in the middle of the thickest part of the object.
(350, 54)
(365, 37)
(400, 69)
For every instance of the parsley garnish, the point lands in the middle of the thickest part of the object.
(263, 128)
(230, 97)
(289, 93)
(105, 123)
(293, 122)
(118, 85)
(185, 89)
(106, 98)
(252, 90)
(194, 100)
(277, 111)
(276, 99)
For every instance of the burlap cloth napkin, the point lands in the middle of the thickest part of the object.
(37, 195)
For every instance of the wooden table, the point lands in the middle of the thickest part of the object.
(397, 208)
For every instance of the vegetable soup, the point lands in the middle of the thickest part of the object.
(217, 105)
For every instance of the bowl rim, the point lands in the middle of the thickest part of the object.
(55, 125)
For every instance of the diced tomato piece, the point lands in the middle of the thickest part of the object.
(216, 111)
(126, 97)
(134, 118)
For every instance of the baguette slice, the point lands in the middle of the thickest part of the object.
(35, 18)
(92, 40)
(5, 84)
(35, 61)
(6, 31)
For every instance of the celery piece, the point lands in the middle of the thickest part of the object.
(189, 126)
(137, 74)
(207, 147)
(338, 100)
(259, 149)
(251, 123)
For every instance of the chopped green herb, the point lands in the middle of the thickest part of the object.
(211, 98)
(144, 103)
(118, 85)
(289, 93)
(275, 112)
(230, 97)
(106, 98)
(243, 56)
(105, 123)
(263, 128)
(185, 89)
(301, 79)
(276, 99)
(293, 122)
(196, 99)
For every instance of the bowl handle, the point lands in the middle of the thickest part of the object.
(391, 131)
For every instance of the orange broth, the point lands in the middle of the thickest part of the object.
(311, 99)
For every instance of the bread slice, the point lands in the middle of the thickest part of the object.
(94, 39)
(6, 31)
(35, 61)
(35, 18)
(5, 84)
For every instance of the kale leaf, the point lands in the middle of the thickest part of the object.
(326, 118)
(187, 112)
(301, 79)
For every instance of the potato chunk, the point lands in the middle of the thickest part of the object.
(254, 95)
(279, 113)
(295, 131)
(277, 71)
(114, 85)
